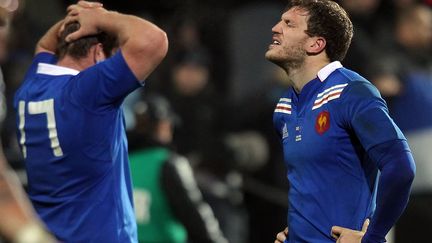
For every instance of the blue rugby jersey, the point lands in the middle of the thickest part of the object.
(71, 131)
(326, 132)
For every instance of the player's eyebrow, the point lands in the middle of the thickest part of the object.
(288, 21)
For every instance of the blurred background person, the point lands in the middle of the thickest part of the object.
(403, 74)
(195, 101)
(18, 221)
(370, 24)
(202, 136)
(168, 203)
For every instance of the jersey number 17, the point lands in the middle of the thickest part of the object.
(34, 108)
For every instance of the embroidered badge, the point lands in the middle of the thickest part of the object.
(284, 131)
(322, 123)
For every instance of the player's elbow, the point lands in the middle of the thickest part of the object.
(143, 56)
(410, 170)
(404, 171)
(154, 49)
(160, 44)
(397, 162)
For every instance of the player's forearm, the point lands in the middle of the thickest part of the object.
(133, 33)
(397, 173)
(18, 222)
(14, 213)
(143, 44)
(48, 42)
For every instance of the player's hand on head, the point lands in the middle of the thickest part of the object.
(86, 14)
(73, 10)
(87, 4)
(281, 236)
(345, 235)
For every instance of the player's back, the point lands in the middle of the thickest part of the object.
(74, 159)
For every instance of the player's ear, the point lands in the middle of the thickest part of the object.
(100, 54)
(315, 45)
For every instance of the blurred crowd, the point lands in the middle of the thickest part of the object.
(222, 92)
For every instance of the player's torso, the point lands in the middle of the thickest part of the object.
(320, 152)
(311, 129)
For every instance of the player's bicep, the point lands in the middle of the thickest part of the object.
(374, 126)
(141, 58)
(368, 116)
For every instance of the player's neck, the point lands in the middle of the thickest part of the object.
(305, 73)
(77, 64)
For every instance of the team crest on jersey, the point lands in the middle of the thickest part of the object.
(322, 123)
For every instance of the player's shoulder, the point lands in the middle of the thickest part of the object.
(333, 86)
(352, 82)
(45, 57)
(344, 86)
(344, 76)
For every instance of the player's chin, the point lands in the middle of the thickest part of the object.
(269, 55)
(272, 57)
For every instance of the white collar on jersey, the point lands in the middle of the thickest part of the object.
(50, 69)
(328, 69)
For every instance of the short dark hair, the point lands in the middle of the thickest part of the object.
(329, 20)
(79, 48)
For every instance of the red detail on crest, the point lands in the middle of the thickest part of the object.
(322, 123)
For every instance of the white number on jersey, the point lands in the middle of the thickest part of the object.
(40, 107)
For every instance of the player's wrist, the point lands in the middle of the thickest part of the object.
(33, 233)
(107, 21)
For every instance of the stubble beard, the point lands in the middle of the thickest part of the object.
(288, 58)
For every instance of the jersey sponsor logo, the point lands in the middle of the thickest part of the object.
(329, 94)
(322, 123)
(284, 106)
(284, 131)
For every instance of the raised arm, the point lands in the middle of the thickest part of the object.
(49, 40)
(142, 43)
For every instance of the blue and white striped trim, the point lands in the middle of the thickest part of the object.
(329, 94)
(284, 106)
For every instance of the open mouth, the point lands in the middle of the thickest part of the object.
(275, 42)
